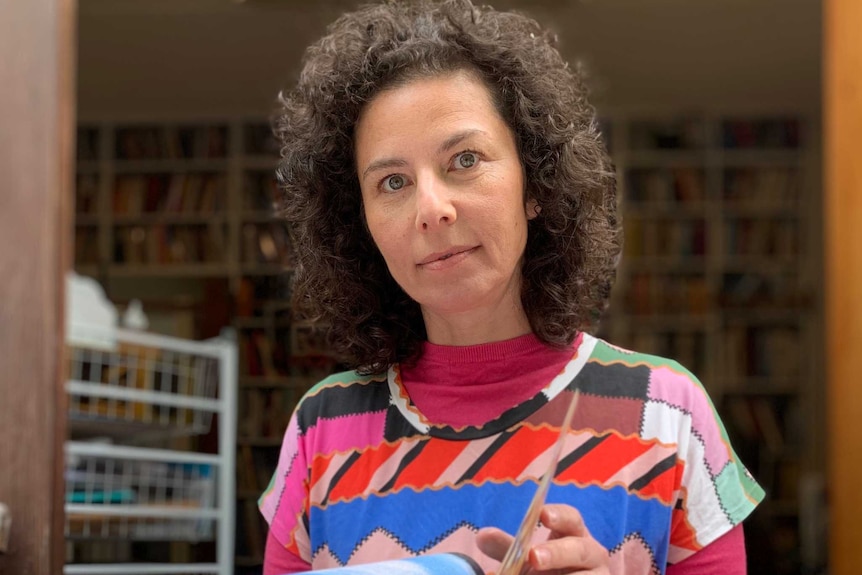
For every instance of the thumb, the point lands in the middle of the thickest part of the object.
(493, 542)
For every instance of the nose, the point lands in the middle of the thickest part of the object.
(434, 207)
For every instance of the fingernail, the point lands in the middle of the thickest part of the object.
(541, 557)
(551, 515)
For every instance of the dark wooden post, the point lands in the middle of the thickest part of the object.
(37, 111)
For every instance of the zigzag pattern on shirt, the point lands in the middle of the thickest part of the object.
(645, 469)
(682, 531)
(340, 395)
(632, 556)
(381, 544)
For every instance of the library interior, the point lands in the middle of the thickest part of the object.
(711, 112)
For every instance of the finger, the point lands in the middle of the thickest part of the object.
(580, 553)
(563, 521)
(493, 542)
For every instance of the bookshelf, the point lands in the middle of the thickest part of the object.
(720, 222)
(718, 272)
(173, 208)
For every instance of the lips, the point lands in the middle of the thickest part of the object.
(445, 255)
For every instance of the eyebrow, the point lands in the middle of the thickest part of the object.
(448, 143)
(384, 163)
(457, 138)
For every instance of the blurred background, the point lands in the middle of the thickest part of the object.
(710, 110)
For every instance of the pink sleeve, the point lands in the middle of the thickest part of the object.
(724, 556)
(284, 501)
(277, 560)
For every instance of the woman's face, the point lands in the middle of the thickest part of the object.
(443, 190)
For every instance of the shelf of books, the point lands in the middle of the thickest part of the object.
(716, 274)
(161, 205)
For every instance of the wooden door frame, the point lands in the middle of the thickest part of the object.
(842, 75)
(37, 119)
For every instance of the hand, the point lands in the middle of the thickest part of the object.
(569, 550)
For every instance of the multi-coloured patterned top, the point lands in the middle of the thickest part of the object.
(364, 476)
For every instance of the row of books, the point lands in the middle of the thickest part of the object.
(771, 423)
(86, 194)
(165, 142)
(255, 466)
(662, 186)
(158, 142)
(265, 352)
(251, 531)
(98, 551)
(681, 134)
(762, 291)
(651, 293)
(259, 140)
(162, 244)
(189, 243)
(276, 352)
(260, 191)
(691, 134)
(776, 133)
(742, 187)
(756, 419)
(659, 237)
(761, 186)
(267, 244)
(772, 351)
(86, 246)
(256, 296)
(175, 193)
(763, 237)
(201, 193)
(263, 413)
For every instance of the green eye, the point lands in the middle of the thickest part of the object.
(394, 183)
(466, 160)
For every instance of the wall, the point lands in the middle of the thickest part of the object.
(210, 58)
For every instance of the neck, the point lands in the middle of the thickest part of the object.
(475, 326)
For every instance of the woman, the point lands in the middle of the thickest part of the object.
(454, 214)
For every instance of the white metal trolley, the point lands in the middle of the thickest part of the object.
(131, 393)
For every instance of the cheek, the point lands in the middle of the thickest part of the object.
(383, 225)
(375, 226)
(518, 237)
(388, 243)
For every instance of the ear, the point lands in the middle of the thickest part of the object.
(533, 208)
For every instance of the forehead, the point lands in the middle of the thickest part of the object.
(428, 106)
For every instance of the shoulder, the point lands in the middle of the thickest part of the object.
(636, 393)
(343, 380)
(673, 404)
(605, 353)
(343, 394)
(615, 371)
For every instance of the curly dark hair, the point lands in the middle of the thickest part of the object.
(341, 279)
